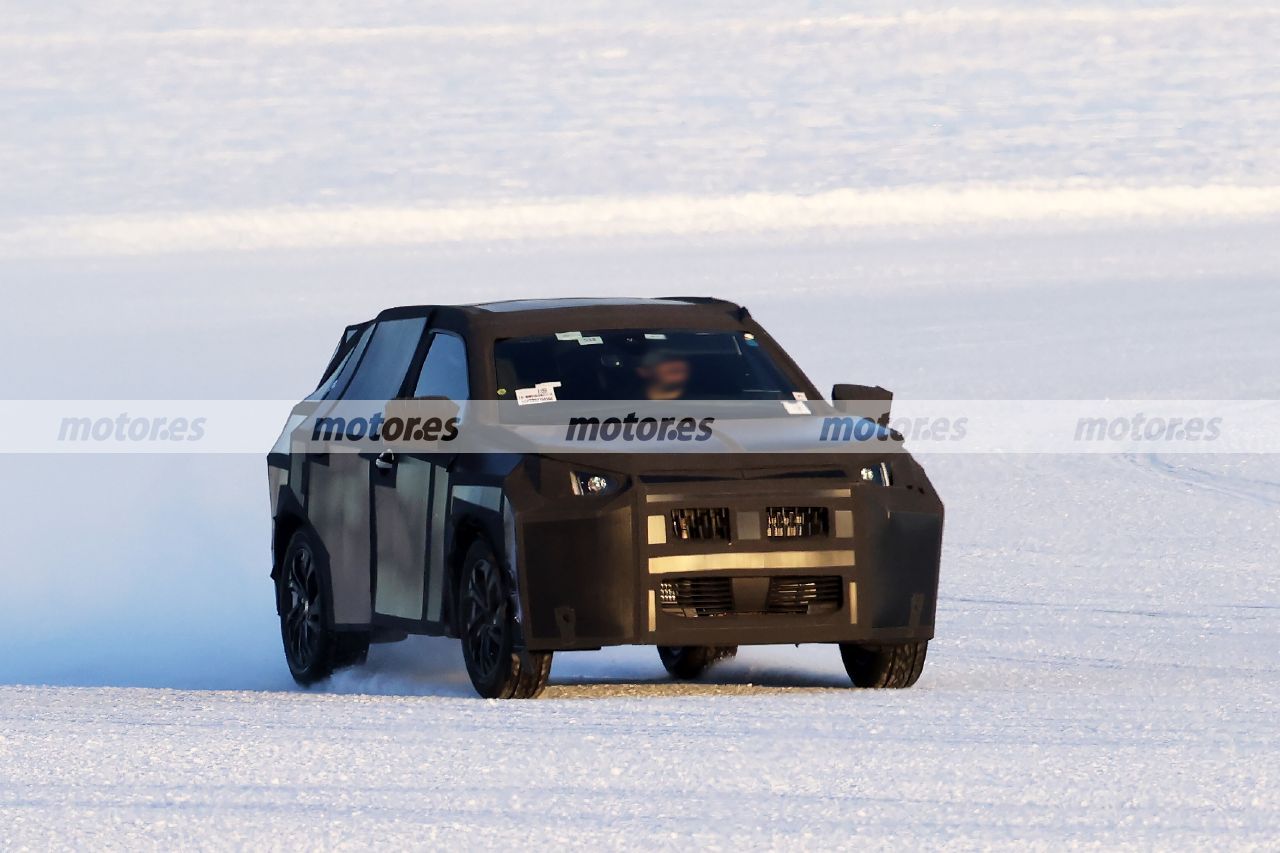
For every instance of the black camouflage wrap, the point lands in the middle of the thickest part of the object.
(596, 571)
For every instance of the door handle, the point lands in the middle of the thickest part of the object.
(386, 461)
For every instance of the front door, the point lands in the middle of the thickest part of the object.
(411, 504)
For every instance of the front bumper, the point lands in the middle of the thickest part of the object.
(728, 562)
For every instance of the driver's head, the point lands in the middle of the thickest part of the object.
(665, 375)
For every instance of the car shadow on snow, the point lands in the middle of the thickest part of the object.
(423, 666)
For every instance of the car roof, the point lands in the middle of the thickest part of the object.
(575, 312)
(510, 305)
(486, 322)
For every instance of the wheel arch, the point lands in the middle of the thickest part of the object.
(288, 520)
(468, 528)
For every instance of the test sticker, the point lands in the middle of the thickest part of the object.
(800, 395)
(588, 340)
(568, 336)
(533, 396)
(795, 407)
(654, 336)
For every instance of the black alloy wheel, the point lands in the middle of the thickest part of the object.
(489, 632)
(311, 647)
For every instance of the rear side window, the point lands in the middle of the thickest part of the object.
(332, 387)
(381, 372)
(444, 372)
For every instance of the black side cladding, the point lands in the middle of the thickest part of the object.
(910, 549)
(588, 597)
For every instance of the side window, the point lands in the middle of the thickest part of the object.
(387, 357)
(342, 375)
(444, 372)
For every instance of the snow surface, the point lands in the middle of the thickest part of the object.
(999, 201)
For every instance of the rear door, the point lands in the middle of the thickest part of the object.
(339, 491)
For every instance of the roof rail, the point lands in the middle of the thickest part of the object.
(700, 300)
(743, 313)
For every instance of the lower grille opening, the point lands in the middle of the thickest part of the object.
(697, 596)
(804, 595)
(701, 597)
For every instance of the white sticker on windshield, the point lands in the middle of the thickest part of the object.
(533, 396)
(654, 336)
(795, 407)
(589, 340)
(568, 336)
(800, 395)
(548, 385)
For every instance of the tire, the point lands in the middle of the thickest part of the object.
(884, 666)
(312, 648)
(688, 662)
(488, 629)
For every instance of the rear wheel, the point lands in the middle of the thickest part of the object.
(312, 648)
(892, 666)
(689, 662)
(488, 628)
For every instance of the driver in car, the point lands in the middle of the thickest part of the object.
(665, 375)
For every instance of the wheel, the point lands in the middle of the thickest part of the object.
(894, 666)
(688, 662)
(312, 648)
(488, 628)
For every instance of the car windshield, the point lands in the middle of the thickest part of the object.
(640, 364)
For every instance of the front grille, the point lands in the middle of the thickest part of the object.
(797, 522)
(729, 596)
(700, 523)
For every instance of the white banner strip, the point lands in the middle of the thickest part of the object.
(540, 423)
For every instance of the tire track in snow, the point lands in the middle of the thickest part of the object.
(1263, 492)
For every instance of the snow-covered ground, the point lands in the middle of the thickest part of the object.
(1005, 201)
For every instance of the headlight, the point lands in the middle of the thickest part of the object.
(877, 473)
(595, 484)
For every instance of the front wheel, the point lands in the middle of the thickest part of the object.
(893, 665)
(488, 629)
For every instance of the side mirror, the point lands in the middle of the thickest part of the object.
(867, 401)
(420, 423)
(422, 407)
